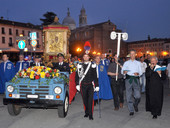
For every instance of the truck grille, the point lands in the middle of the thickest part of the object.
(41, 91)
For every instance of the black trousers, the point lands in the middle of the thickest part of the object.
(117, 90)
(87, 93)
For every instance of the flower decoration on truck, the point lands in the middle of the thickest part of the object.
(38, 72)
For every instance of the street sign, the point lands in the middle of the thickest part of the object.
(33, 43)
(22, 38)
(21, 44)
(33, 35)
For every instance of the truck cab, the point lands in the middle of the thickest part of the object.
(43, 93)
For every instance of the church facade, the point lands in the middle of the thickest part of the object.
(97, 34)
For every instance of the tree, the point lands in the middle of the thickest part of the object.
(49, 18)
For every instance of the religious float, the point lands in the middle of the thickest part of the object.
(43, 87)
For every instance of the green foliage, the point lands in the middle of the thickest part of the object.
(49, 18)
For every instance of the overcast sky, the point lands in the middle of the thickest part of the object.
(139, 18)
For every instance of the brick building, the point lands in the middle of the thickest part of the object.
(154, 47)
(9, 30)
(98, 35)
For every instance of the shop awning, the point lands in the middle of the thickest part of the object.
(9, 50)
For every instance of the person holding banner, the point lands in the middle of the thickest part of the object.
(132, 70)
(87, 83)
(116, 85)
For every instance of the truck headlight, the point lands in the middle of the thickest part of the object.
(57, 90)
(10, 88)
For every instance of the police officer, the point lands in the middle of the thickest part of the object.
(87, 83)
(61, 65)
(37, 61)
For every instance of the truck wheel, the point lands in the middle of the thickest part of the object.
(62, 110)
(14, 110)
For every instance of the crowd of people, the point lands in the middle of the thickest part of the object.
(103, 78)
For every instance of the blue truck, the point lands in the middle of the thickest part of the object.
(42, 93)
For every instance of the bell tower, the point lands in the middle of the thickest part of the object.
(82, 17)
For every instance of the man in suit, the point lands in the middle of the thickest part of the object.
(37, 61)
(21, 64)
(7, 72)
(61, 65)
(29, 61)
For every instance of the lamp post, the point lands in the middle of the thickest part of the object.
(78, 51)
(119, 36)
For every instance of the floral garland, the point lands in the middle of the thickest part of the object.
(73, 67)
(37, 72)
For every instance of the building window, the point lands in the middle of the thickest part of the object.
(3, 40)
(23, 33)
(17, 32)
(10, 41)
(38, 44)
(37, 34)
(109, 50)
(3, 30)
(10, 31)
(28, 33)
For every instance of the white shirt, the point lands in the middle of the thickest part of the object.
(132, 67)
(37, 64)
(103, 61)
(5, 65)
(20, 66)
(60, 63)
(29, 61)
(168, 69)
(143, 67)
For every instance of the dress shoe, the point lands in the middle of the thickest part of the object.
(154, 117)
(116, 109)
(90, 118)
(121, 105)
(86, 115)
(131, 113)
(136, 108)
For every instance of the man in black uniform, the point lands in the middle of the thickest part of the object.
(87, 83)
(37, 61)
(61, 65)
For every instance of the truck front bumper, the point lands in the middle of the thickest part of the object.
(33, 103)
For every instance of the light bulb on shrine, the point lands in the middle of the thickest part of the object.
(124, 36)
(113, 35)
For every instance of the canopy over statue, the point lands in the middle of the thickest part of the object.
(56, 40)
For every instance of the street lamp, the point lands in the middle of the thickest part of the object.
(120, 36)
(94, 53)
(79, 50)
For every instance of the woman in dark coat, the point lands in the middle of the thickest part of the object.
(154, 89)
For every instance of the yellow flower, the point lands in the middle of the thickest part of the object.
(28, 70)
(38, 73)
(52, 75)
(48, 69)
(39, 70)
(25, 74)
(57, 74)
(32, 76)
(42, 74)
(32, 72)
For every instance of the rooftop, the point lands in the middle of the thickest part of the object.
(20, 24)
